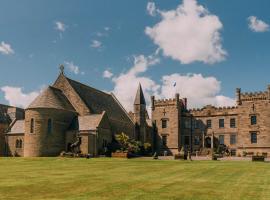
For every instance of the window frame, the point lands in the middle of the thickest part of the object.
(252, 141)
(207, 123)
(164, 140)
(232, 125)
(253, 120)
(223, 123)
(49, 125)
(223, 139)
(231, 140)
(32, 125)
(164, 123)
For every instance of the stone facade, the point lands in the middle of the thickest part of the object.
(64, 113)
(69, 110)
(244, 128)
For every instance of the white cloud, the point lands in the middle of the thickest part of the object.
(107, 74)
(16, 97)
(188, 34)
(6, 48)
(126, 83)
(257, 25)
(151, 8)
(73, 68)
(199, 90)
(96, 44)
(106, 28)
(60, 26)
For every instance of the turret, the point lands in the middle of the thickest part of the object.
(238, 96)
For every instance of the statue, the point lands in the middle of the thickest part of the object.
(75, 147)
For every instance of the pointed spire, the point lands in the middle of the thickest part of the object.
(139, 99)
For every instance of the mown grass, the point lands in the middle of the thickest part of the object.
(106, 178)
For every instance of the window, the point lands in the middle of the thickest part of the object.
(196, 140)
(49, 125)
(253, 120)
(232, 123)
(164, 140)
(233, 139)
(186, 140)
(221, 139)
(196, 124)
(164, 123)
(32, 125)
(18, 143)
(253, 137)
(208, 123)
(221, 123)
(187, 123)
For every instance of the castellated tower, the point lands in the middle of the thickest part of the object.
(166, 116)
(253, 121)
(46, 120)
(140, 116)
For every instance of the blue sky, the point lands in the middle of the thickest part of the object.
(111, 35)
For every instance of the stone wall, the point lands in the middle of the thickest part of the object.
(40, 142)
(11, 149)
(168, 110)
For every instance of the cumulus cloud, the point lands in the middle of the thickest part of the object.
(199, 90)
(107, 74)
(126, 83)
(188, 34)
(151, 8)
(60, 26)
(73, 68)
(16, 97)
(6, 49)
(257, 25)
(96, 44)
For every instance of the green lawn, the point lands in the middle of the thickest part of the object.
(105, 178)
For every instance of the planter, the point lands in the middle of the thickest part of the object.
(258, 158)
(180, 157)
(121, 155)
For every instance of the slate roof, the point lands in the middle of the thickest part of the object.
(139, 99)
(18, 127)
(89, 122)
(52, 98)
(4, 118)
(98, 101)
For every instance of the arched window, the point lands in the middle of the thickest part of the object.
(17, 143)
(32, 125)
(21, 143)
(49, 125)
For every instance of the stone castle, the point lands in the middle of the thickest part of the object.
(68, 109)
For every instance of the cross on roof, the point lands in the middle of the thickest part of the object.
(62, 67)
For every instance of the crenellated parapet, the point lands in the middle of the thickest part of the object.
(254, 96)
(212, 110)
(167, 102)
